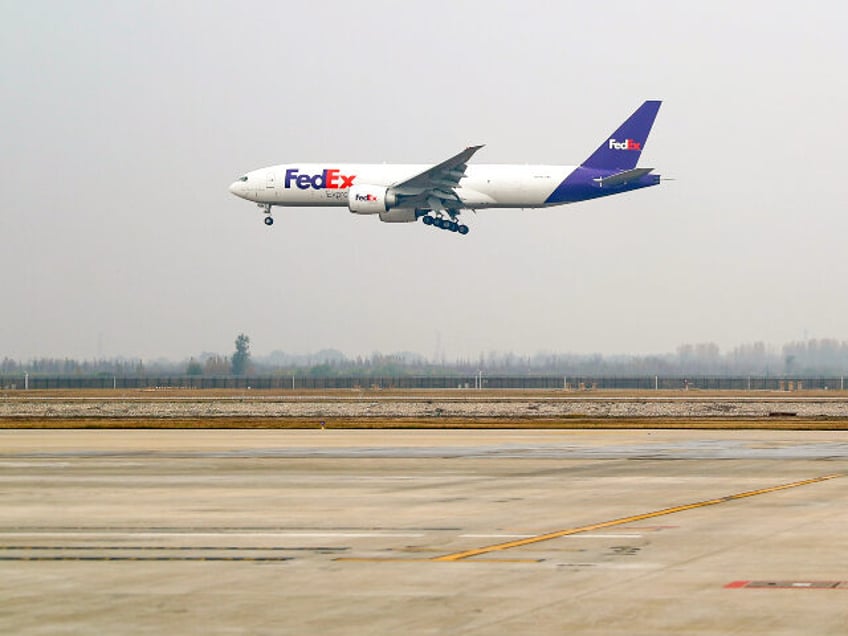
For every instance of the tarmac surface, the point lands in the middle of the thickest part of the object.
(423, 532)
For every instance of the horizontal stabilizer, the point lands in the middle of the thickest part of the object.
(622, 178)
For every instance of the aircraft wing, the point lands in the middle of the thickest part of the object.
(435, 186)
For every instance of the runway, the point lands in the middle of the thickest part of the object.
(472, 532)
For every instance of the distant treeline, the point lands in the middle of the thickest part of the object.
(816, 357)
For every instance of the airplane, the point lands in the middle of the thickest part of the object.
(437, 194)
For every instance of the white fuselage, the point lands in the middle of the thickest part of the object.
(328, 184)
(436, 194)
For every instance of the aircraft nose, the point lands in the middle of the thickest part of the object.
(237, 188)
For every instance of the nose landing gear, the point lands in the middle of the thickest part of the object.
(266, 207)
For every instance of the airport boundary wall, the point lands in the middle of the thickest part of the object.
(713, 383)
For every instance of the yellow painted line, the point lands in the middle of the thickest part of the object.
(425, 560)
(467, 554)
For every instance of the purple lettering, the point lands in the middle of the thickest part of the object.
(290, 174)
(327, 179)
(319, 180)
(303, 181)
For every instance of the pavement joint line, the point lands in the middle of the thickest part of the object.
(467, 554)
(131, 548)
(146, 558)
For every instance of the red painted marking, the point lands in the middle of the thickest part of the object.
(787, 585)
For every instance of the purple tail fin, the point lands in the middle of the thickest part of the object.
(621, 150)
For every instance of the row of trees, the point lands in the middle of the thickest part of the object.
(209, 364)
(214, 364)
(811, 357)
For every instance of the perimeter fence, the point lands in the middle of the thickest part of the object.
(647, 383)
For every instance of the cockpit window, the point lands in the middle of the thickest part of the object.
(244, 178)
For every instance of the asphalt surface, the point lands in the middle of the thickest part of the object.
(470, 532)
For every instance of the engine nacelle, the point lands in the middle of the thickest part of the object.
(370, 199)
(402, 215)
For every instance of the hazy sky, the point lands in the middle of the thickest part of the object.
(125, 122)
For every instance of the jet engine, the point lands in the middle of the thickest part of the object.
(401, 215)
(370, 199)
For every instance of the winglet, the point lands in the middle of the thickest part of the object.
(621, 150)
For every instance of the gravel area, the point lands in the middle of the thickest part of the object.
(266, 407)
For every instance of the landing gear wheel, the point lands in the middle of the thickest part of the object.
(269, 220)
(451, 225)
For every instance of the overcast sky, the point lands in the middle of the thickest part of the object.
(125, 122)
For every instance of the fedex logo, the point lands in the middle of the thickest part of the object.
(328, 179)
(365, 197)
(627, 144)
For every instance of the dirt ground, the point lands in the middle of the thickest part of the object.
(776, 420)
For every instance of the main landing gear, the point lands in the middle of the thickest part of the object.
(266, 207)
(445, 224)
